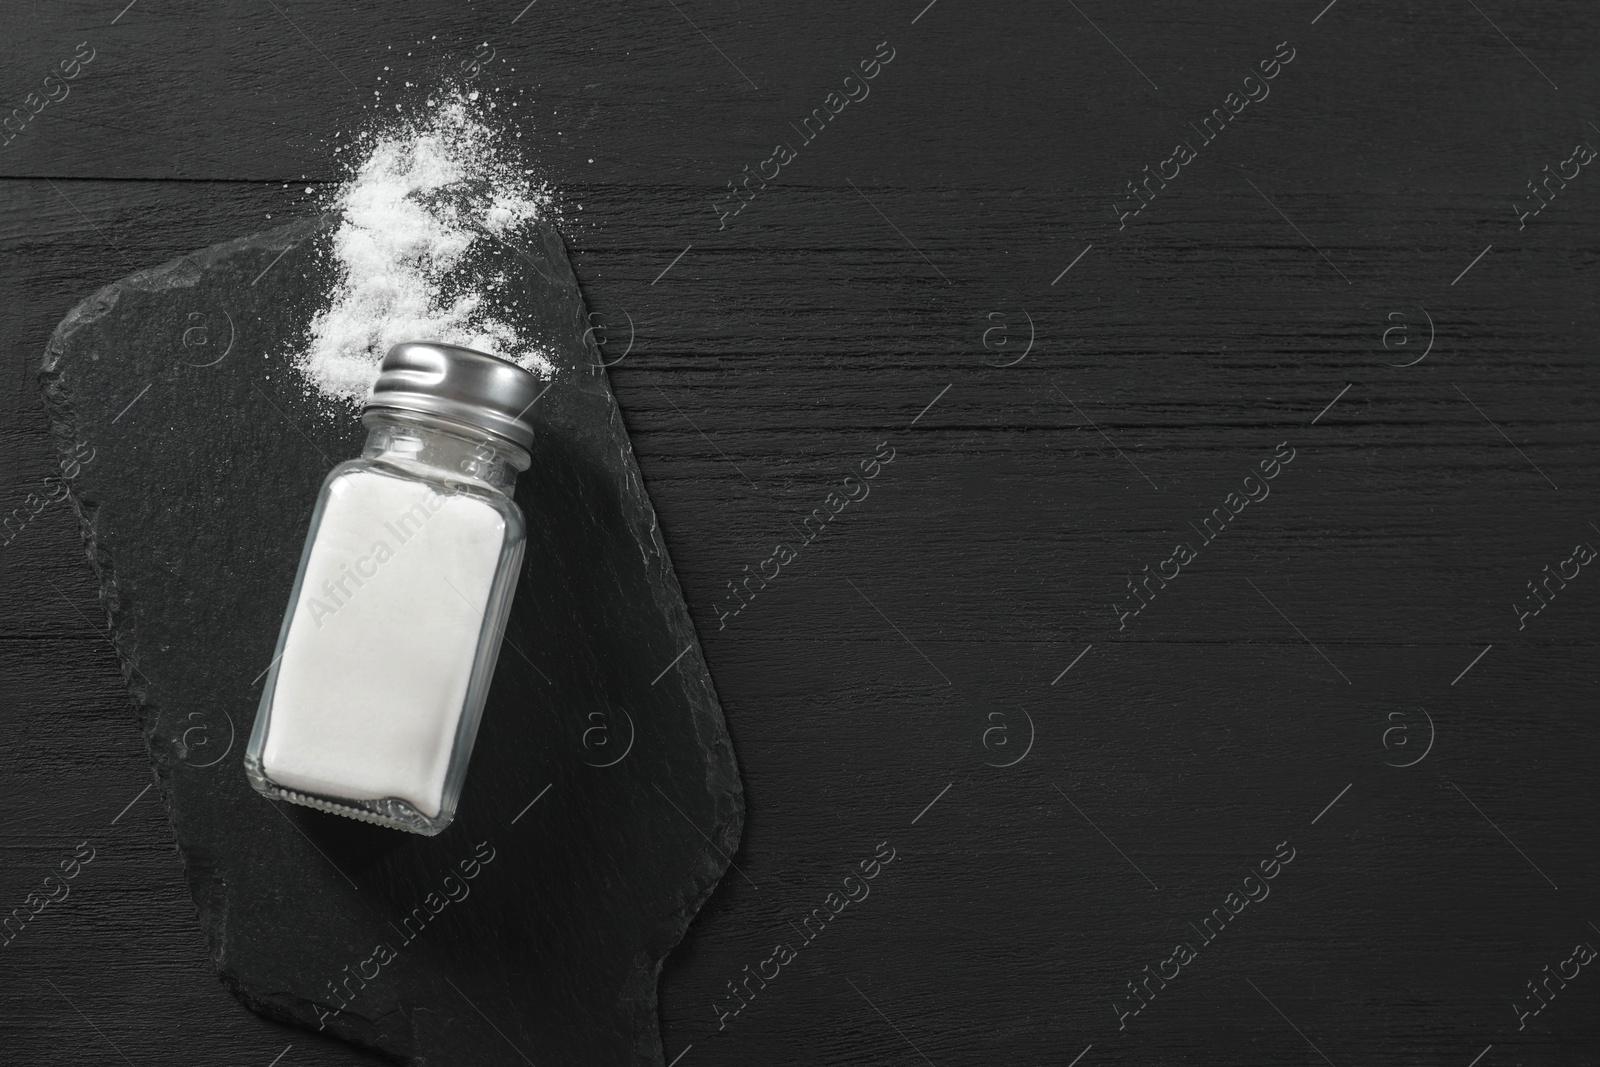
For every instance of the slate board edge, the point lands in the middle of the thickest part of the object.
(723, 778)
(205, 884)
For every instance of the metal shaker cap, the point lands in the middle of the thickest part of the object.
(461, 384)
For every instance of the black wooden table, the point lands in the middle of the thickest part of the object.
(1216, 655)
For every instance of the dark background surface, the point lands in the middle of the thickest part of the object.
(776, 354)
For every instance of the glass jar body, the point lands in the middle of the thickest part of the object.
(384, 659)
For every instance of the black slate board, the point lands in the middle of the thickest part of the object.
(603, 801)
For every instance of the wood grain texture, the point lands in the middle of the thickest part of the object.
(781, 349)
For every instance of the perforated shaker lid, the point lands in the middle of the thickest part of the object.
(461, 384)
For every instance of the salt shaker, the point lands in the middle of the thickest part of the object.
(386, 651)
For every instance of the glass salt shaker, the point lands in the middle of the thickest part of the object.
(384, 658)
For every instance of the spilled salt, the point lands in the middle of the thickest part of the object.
(422, 200)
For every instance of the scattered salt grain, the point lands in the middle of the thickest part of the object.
(420, 201)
